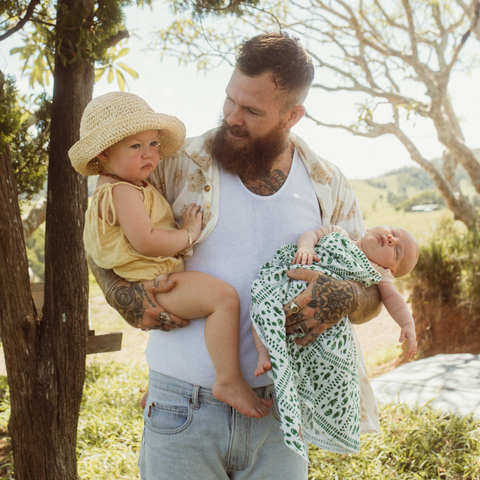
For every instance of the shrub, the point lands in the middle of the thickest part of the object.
(445, 288)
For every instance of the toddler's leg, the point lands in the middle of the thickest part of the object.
(264, 363)
(198, 295)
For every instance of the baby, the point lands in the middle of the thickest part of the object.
(130, 228)
(393, 252)
(320, 390)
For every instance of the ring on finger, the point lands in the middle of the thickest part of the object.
(302, 328)
(165, 318)
(294, 308)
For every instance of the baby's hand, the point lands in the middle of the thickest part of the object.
(192, 220)
(408, 332)
(305, 255)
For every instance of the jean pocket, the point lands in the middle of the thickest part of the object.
(274, 409)
(167, 413)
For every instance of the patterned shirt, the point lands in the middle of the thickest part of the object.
(191, 176)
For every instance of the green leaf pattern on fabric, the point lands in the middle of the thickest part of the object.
(317, 386)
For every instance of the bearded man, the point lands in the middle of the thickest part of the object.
(259, 187)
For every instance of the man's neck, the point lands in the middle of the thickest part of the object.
(273, 182)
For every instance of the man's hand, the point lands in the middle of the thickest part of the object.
(135, 301)
(325, 302)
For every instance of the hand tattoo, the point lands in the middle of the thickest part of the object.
(331, 300)
(294, 318)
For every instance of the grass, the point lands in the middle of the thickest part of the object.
(413, 443)
(380, 361)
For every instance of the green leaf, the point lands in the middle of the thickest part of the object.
(110, 75)
(99, 73)
(129, 70)
(120, 80)
(122, 52)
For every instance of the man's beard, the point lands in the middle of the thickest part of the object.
(254, 158)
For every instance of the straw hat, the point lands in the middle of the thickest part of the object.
(110, 118)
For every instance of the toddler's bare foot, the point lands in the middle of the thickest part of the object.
(239, 395)
(264, 363)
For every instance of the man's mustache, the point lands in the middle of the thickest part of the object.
(238, 131)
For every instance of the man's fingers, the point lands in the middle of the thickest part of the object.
(312, 335)
(302, 274)
(163, 284)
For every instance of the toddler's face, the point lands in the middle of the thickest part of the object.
(132, 158)
(392, 248)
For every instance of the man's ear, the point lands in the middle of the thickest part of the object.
(294, 115)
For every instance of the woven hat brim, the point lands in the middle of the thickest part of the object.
(83, 154)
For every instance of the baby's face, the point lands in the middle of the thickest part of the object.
(392, 248)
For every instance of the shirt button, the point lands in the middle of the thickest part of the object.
(206, 188)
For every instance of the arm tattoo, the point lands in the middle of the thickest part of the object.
(128, 301)
(125, 297)
(369, 304)
(268, 184)
(331, 300)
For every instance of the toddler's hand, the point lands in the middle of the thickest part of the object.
(305, 255)
(408, 332)
(192, 220)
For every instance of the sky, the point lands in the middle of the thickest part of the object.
(197, 98)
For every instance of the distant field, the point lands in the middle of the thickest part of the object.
(377, 211)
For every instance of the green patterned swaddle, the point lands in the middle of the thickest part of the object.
(317, 386)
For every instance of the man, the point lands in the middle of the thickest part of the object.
(260, 187)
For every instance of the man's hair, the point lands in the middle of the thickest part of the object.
(289, 64)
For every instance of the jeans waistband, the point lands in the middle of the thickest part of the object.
(188, 389)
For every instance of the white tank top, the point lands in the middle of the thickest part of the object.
(249, 231)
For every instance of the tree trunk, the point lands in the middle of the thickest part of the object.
(46, 389)
(19, 324)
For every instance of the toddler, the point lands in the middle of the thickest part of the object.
(130, 228)
(317, 386)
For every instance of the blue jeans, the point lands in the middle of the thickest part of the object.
(189, 434)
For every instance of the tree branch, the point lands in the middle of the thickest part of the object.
(22, 22)
(118, 37)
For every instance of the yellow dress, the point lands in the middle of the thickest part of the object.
(106, 243)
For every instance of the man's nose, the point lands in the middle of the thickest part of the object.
(234, 117)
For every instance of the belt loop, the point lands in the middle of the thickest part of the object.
(194, 399)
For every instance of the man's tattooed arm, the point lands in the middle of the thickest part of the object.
(369, 304)
(326, 301)
(134, 301)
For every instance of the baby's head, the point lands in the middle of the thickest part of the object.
(112, 117)
(392, 248)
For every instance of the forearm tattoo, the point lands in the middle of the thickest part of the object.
(331, 300)
(369, 304)
(267, 185)
(128, 301)
(125, 297)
